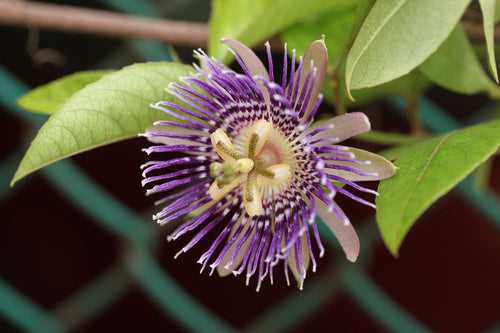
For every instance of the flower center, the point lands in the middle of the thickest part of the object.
(259, 159)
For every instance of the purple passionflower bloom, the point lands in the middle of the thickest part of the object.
(243, 161)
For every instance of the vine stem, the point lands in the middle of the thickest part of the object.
(101, 22)
(339, 104)
(413, 116)
(107, 23)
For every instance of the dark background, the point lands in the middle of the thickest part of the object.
(446, 277)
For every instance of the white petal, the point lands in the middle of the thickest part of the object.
(345, 233)
(305, 259)
(173, 141)
(375, 165)
(317, 53)
(342, 127)
(204, 65)
(239, 258)
(253, 64)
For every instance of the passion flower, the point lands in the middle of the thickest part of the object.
(242, 162)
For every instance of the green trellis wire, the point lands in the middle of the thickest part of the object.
(117, 218)
(354, 281)
(114, 216)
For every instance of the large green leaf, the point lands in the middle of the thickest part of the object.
(388, 138)
(408, 86)
(488, 9)
(426, 171)
(397, 36)
(252, 21)
(497, 11)
(51, 96)
(339, 26)
(455, 66)
(113, 108)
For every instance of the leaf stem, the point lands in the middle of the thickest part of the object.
(483, 174)
(337, 97)
(413, 116)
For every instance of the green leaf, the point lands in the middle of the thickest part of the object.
(362, 10)
(488, 9)
(408, 86)
(497, 11)
(337, 26)
(114, 108)
(387, 138)
(397, 36)
(51, 96)
(253, 21)
(427, 171)
(455, 66)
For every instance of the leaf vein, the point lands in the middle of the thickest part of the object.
(419, 179)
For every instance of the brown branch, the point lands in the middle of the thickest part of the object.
(475, 31)
(337, 93)
(111, 24)
(100, 22)
(414, 116)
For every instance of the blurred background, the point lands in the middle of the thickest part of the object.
(78, 252)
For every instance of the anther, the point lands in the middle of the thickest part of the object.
(260, 132)
(266, 173)
(252, 197)
(252, 145)
(244, 165)
(223, 145)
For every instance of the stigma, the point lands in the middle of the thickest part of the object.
(258, 161)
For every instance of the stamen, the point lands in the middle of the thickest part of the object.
(260, 133)
(223, 145)
(223, 149)
(252, 197)
(266, 173)
(248, 193)
(275, 175)
(244, 165)
(217, 193)
(253, 143)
